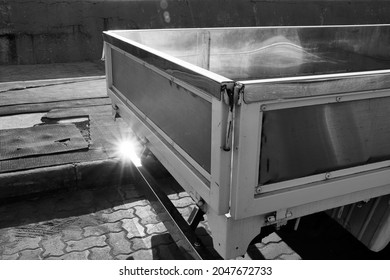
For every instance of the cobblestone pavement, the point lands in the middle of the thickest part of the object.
(105, 224)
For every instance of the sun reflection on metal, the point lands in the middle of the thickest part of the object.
(127, 149)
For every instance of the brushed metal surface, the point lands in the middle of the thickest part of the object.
(251, 53)
(304, 141)
(182, 115)
(264, 53)
(207, 81)
(260, 56)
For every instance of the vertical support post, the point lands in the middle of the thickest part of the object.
(231, 238)
(108, 64)
(204, 49)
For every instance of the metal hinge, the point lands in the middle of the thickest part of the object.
(279, 218)
(232, 96)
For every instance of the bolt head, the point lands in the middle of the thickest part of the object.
(271, 219)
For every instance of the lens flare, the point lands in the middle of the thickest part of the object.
(127, 151)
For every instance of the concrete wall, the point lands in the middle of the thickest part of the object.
(47, 31)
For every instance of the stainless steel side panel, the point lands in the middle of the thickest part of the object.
(184, 69)
(252, 53)
(180, 114)
(304, 141)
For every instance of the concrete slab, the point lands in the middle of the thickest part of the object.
(23, 73)
(40, 94)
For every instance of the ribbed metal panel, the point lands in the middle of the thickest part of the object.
(368, 221)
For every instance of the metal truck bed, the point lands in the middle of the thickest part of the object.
(263, 124)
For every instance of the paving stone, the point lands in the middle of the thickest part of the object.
(147, 215)
(254, 252)
(53, 246)
(31, 254)
(72, 233)
(83, 221)
(19, 245)
(173, 196)
(9, 257)
(71, 256)
(118, 242)
(150, 241)
(99, 212)
(118, 215)
(257, 246)
(272, 250)
(7, 236)
(178, 195)
(273, 237)
(293, 256)
(183, 202)
(148, 254)
(123, 257)
(155, 228)
(185, 212)
(183, 194)
(133, 228)
(100, 253)
(102, 229)
(86, 243)
(129, 205)
(169, 252)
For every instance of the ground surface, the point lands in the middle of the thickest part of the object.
(106, 223)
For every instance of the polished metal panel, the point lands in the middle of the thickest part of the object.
(304, 141)
(264, 53)
(206, 81)
(206, 58)
(182, 115)
(252, 53)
